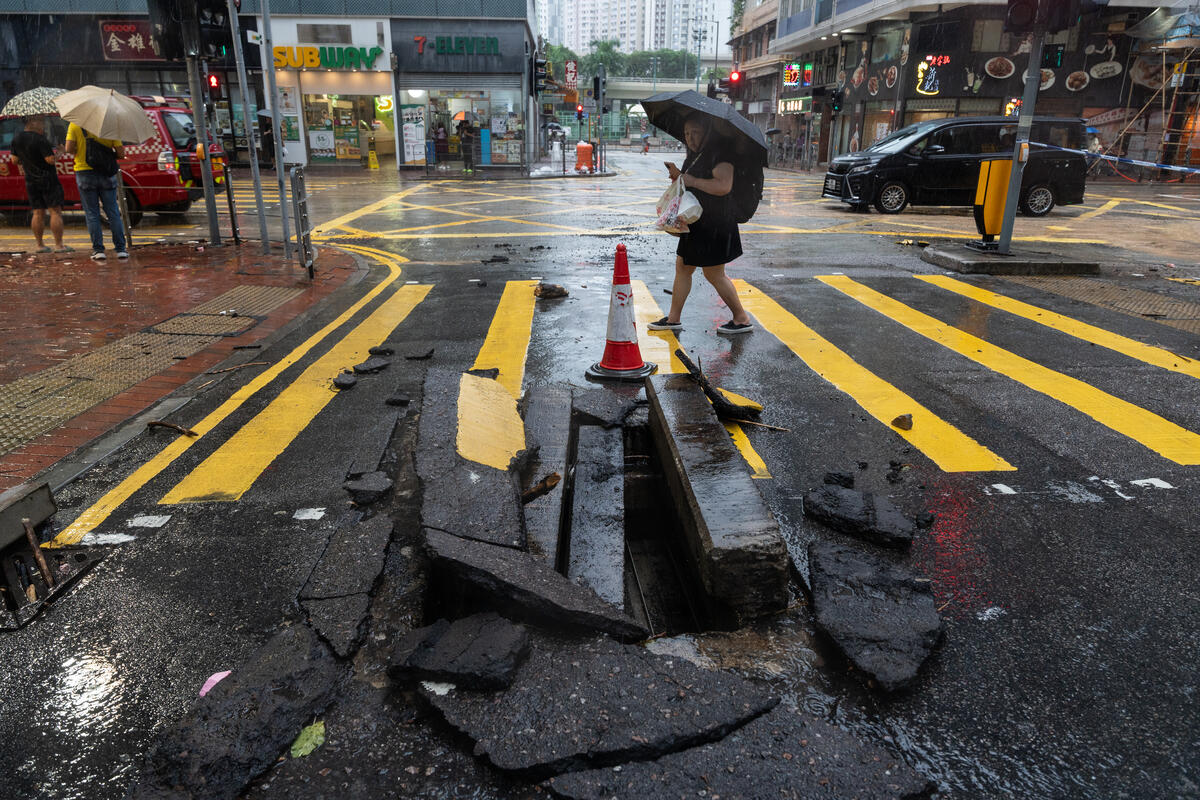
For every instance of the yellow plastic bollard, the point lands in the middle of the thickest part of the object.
(990, 194)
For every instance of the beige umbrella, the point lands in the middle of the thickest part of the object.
(106, 113)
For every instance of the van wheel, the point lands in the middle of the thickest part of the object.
(1038, 201)
(892, 198)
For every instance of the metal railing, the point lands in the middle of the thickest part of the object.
(304, 246)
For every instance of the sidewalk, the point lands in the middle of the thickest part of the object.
(88, 345)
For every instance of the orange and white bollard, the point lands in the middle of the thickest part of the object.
(622, 358)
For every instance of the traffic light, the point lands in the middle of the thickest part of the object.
(579, 112)
(539, 74)
(735, 85)
(215, 32)
(835, 102)
(166, 28)
(214, 86)
(1021, 16)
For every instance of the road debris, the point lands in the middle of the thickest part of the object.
(421, 356)
(345, 381)
(549, 291)
(725, 409)
(868, 516)
(158, 423)
(372, 365)
(544, 486)
(904, 422)
(239, 366)
(482, 651)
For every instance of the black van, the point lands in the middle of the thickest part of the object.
(936, 163)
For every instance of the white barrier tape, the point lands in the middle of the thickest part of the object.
(1118, 159)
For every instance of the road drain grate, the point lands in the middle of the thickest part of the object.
(1180, 314)
(34, 404)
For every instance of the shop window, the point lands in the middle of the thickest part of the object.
(989, 37)
(310, 33)
(886, 47)
(939, 37)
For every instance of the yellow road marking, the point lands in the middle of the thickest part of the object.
(1104, 209)
(507, 340)
(1147, 203)
(659, 347)
(1189, 281)
(102, 508)
(945, 445)
(337, 222)
(1145, 427)
(1140, 351)
(233, 468)
(490, 431)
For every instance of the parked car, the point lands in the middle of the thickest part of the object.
(161, 174)
(936, 163)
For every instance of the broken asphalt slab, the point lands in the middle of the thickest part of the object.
(784, 753)
(339, 621)
(242, 725)
(352, 560)
(482, 651)
(868, 516)
(459, 496)
(597, 703)
(521, 586)
(607, 406)
(881, 616)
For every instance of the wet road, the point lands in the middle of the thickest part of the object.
(1057, 440)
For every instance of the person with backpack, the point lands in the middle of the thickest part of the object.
(713, 240)
(36, 156)
(96, 176)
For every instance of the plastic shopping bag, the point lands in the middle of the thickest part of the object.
(677, 208)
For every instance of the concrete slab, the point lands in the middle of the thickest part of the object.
(548, 420)
(957, 257)
(731, 533)
(27, 501)
(597, 544)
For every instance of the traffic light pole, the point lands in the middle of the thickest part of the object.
(199, 115)
(277, 134)
(1033, 80)
(600, 116)
(248, 121)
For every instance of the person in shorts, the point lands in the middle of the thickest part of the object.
(36, 156)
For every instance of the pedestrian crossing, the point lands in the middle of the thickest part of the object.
(830, 330)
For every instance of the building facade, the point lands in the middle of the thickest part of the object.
(352, 76)
(870, 68)
(761, 69)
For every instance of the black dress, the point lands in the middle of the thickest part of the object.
(713, 239)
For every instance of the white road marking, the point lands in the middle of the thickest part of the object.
(990, 613)
(438, 688)
(93, 539)
(1116, 487)
(149, 521)
(1152, 483)
(1002, 489)
(309, 513)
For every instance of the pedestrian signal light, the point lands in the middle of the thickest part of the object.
(579, 112)
(214, 82)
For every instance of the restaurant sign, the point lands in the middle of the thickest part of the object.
(326, 57)
(795, 105)
(128, 40)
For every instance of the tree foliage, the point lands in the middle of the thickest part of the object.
(737, 10)
(671, 64)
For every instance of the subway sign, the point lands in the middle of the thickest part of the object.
(326, 57)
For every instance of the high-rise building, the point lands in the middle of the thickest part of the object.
(640, 24)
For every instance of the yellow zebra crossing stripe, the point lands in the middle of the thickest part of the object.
(1140, 351)
(1145, 427)
(949, 448)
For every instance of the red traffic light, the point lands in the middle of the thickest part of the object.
(735, 76)
(579, 108)
(214, 82)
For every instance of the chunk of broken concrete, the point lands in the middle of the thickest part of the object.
(345, 381)
(381, 350)
(368, 488)
(549, 291)
(239, 728)
(598, 703)
(398, 399)
(862, 514)
(523, 587)
(482, 651)
(371, 366)
(882, 616)
(784, 753)
(339, 621)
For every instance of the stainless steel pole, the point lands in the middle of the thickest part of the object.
(269, 69)
(248, 121)
(206, 176)
(1033, 80)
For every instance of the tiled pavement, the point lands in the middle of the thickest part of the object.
(63, 311)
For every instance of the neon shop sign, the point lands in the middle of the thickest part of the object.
(928, 80)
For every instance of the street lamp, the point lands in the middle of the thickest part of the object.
(699, 36)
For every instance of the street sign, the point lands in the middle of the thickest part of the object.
(589, 103)
(571, 72)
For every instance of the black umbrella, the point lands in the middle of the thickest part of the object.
(773, 131)
(670, 110)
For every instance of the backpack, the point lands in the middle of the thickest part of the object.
(100, 157)
(747, 190)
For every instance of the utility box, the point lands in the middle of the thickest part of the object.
(991, 192)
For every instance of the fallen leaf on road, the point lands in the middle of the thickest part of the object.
(309, 739)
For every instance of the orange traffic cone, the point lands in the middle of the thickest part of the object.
(622, 359)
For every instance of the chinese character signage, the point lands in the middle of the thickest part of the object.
(128, 40)
(571, 73)
(791, 76)
(928, 81)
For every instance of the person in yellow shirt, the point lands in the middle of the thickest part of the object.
(96, 176)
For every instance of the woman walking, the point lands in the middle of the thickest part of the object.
(713, 240)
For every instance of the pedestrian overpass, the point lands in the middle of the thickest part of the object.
(633, 90)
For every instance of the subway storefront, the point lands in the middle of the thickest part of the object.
(336, 97)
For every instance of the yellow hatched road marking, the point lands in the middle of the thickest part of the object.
(949, 448)
(659, 347)
(337, 222)
(490, 431)
(1140, 351)
(233, 468)
(1104, 209)
(102, 508)
(1145, 427)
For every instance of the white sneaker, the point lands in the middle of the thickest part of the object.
(122, 254)
(99, 256)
